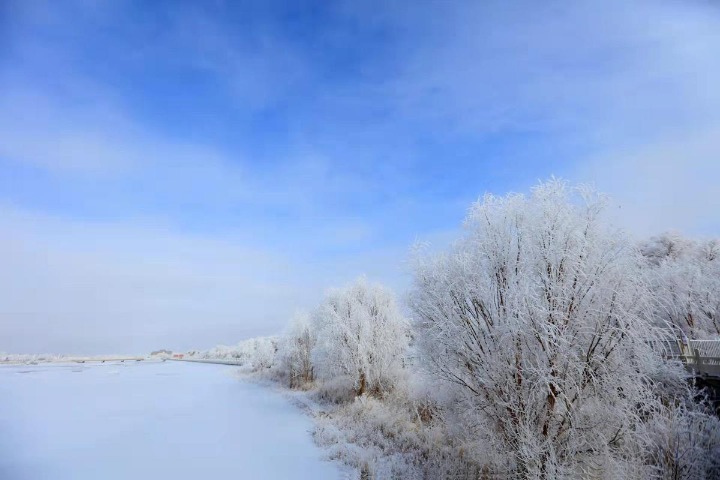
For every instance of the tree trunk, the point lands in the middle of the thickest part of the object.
(361, 388)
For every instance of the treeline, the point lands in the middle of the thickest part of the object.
(533, 347)
(31, 358)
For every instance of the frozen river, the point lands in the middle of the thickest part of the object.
(170, 420)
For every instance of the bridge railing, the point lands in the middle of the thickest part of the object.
(700, 356)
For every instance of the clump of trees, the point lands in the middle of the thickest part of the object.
(536, 349)
(256, 354)
(354, 343)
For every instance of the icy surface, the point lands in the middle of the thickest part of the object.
(149, 420)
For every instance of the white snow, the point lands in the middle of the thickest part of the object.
(143, 420)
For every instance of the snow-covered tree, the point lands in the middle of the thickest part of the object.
(685, 276)
(295, 351)
(540, 320)
(362, 338)
(260, 352)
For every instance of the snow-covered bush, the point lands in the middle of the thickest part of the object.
(260, 352)
(388, 439)
(539, 322)
(362, 339)
(224, 352)
(255, 353)
(684, 441)
(295, 352)
(397, 436)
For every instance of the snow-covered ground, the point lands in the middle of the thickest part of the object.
(150, 420)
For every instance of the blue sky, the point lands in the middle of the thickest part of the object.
(189, 173)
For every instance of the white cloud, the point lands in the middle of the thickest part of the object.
(101, 140)
(580, 68)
